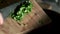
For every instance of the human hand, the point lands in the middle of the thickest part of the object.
(1, 19)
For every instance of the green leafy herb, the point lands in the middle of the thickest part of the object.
(24, 8)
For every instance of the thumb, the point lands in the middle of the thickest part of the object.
(1, 19)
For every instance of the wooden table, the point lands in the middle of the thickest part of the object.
(34, 19)
(44, 5)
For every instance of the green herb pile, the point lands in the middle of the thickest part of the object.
(24, 8)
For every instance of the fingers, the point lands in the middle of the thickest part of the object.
(1, 19)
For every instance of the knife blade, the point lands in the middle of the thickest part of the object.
(7, 10)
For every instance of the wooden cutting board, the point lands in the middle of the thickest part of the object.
(37, 17)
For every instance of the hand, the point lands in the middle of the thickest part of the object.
(1, 19)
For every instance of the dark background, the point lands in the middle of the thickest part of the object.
(5, 3)
(53, 27)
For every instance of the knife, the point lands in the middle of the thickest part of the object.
(7, 10)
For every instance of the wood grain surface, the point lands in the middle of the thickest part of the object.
(31, 21)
